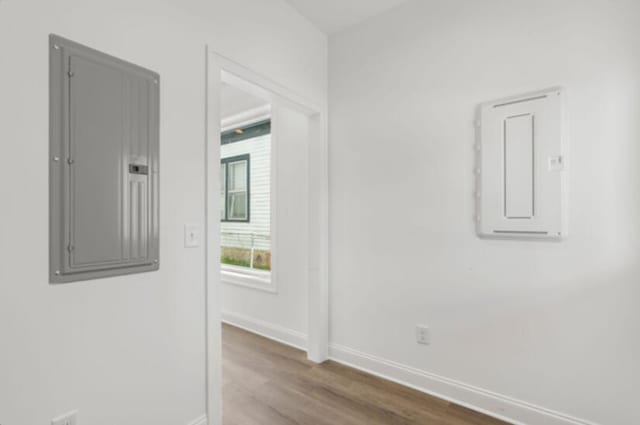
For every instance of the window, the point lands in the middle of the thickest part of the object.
(234, 191)
(245, 190)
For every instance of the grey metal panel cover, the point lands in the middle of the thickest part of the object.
(104, 164)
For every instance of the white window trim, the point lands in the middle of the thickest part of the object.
(248, 278)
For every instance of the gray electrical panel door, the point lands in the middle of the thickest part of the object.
(104, 164)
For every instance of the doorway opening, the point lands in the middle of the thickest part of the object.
(266, 215)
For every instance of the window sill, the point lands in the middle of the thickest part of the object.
(248, 278)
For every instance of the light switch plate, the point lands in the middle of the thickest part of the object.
(70, 418)
(191, 235)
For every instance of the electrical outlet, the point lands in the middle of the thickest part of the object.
(70, 418)
(423, 336)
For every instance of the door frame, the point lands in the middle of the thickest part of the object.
(220, 68)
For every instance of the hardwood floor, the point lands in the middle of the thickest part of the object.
(266, 383)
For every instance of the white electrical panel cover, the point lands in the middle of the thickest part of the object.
(522, 167)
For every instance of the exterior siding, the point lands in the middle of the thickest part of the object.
(259, 226)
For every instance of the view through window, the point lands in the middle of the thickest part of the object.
(245, 182)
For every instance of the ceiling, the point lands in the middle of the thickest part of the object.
(332, 16)
(235, 101)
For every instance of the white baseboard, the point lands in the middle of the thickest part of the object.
(277, 333)
(202, 420)
(499, 406)
(509, 409)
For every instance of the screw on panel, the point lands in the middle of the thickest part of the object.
(155, 261)
(55, 46)
(155, 81)
(56, 159)
(70, 74)
(57, 272)
(70, 161)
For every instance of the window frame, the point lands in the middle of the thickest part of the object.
(225, 162)
(249, 278)
(248, 131)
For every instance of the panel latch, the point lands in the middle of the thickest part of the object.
(138, 169)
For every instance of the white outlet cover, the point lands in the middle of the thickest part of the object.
(70, 418)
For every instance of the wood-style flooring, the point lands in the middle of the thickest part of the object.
(267, 383)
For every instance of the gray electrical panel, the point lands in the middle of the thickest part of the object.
(104, 124)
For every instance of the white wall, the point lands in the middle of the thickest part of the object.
(234, 101)
(126, 350)
(553, 324)
(285, 311)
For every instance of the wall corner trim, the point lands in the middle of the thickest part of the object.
(202, 420)
(499, 406)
